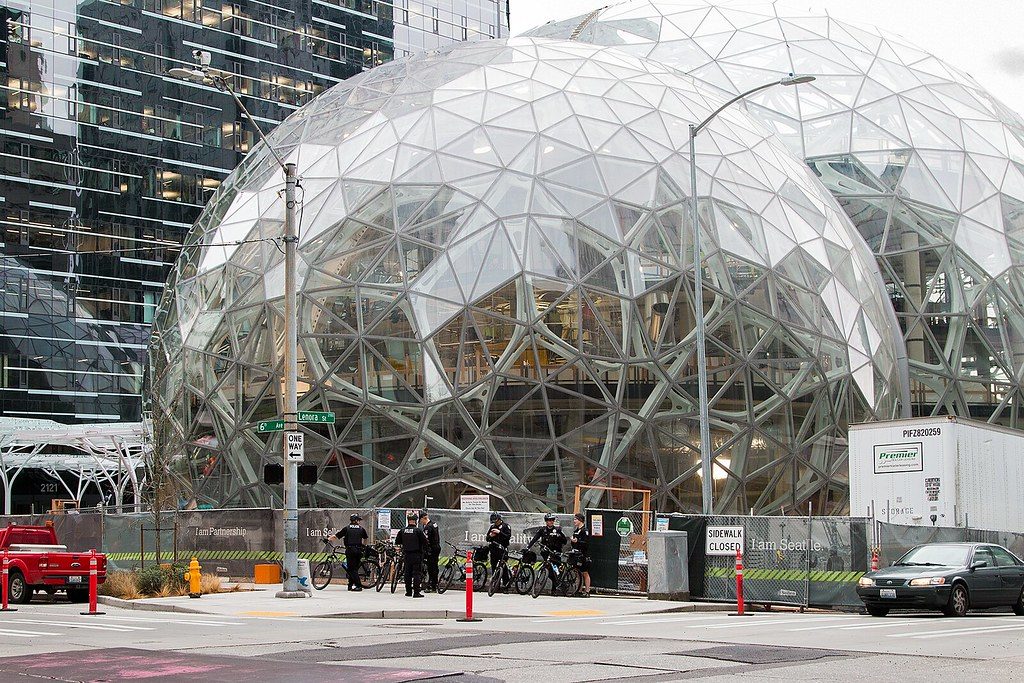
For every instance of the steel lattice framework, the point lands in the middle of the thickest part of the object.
(929, 166)
(496, 277)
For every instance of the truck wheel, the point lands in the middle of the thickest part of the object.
(959, 602)
(18, 592)
(78, 595)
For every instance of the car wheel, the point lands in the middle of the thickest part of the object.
(959, 602)
(876, 611)
(1018, 607)
(18, 592)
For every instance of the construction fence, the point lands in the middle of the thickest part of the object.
(896, 539)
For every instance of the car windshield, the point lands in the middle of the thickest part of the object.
(935, 556)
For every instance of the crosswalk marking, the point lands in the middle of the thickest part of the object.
(666, 620)
(746, 623)
(93, 627)
(199, 620)
(25, 634)
(962, 631)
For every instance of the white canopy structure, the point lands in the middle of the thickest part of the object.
(94, 453)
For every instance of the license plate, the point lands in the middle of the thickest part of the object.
(887, 593)
(74, 579)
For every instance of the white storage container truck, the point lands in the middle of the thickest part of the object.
(941, 471)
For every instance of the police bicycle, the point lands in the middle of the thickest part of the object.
(566, 580)
(455, 569)
(518, 575)
(323, 572)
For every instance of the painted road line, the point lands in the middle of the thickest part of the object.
(749, 623)
(25, 634)
(694, 621)
(894, 622)
(94, 627)
(963, 631)
(199, 620)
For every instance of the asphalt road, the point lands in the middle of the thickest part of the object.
(54, 642)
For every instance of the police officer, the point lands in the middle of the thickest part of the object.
(353, 537)
(581, 543)
(552, 538)
(413, 543)
(498, 537)
(433, 553)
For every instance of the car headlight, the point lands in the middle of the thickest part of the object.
(928, 581)
(866, 581)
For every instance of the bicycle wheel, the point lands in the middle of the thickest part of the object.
(539, 581)
(570, 581)
(447, 577)
(322, 573)
(399, 570)
(368, 570)
(480, 573)
(524, 580)
(496, 580)
(384, 574)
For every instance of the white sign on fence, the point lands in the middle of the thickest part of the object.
(723, 540)
(597, 525)
(384, 518)
(295, 450)
(661, 524)
(475, 503)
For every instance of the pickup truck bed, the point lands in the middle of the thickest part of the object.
(39, 562)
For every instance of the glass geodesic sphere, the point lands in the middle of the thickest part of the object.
(929, 166)
(496, 295)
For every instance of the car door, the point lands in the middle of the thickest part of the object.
(984, 582)
(1011, 575)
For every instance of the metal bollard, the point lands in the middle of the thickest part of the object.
(6, 586)
(469, 588)
(194, 577)
(93, 585)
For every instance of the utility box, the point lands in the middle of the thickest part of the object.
(668, 571)
(938, 471)
(267, 574)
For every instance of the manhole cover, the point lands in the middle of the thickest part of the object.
(762, 654)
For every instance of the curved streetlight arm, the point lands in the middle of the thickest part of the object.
(700, 126)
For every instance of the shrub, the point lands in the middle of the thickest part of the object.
(151, 579)
(209, 583)
(120, 584)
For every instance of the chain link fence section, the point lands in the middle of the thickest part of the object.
(897, 539)
(618, 549)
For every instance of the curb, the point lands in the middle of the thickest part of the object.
(144, 606)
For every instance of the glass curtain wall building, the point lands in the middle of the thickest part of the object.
(107, 161)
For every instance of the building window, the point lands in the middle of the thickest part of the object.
(437, 24)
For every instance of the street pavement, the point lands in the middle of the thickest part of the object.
(563, 640)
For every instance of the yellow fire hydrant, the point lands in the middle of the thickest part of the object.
(194, 577)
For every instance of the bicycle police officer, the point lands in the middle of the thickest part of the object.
(433, 552)
(581, 543)
(552, 538)
(353, 537)
(498, 537)
(413, 543)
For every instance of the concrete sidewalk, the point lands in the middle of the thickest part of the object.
(337, 601)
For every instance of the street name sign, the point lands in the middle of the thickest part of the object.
(316, 417)
(270, 426)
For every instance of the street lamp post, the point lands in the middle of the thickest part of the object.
(706, 461)
(202, 73)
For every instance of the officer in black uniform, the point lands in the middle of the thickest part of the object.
(413, 543)
(433, 553)
(352, 537)
(498, 537)
(581, 543)
(552, 538)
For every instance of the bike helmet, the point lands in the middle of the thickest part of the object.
(495, 516)
(355, 518)
(550, 517)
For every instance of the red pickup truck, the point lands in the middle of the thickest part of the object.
(38, 562)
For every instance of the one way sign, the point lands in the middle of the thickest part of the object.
(295, 441)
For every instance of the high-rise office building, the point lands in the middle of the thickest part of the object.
(107, 160)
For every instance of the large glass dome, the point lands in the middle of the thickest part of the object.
(496, 295)
(928, 165)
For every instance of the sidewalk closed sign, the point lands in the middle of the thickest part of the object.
(295, 450)
(723, 540)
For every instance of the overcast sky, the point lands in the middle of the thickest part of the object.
(985, 38)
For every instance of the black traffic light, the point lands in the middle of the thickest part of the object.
(307, 475)
(273, 474)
